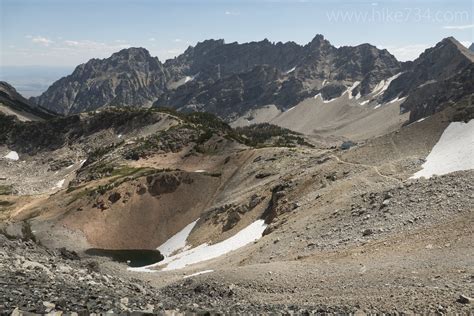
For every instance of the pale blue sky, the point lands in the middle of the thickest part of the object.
(69, 32)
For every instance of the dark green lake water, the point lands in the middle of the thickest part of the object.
(135, 257)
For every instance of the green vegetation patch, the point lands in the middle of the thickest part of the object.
(4, 205)
(6, 190)
(120, 175)
(123, 175)
(172, 140)
(268, 135)
(100, 152)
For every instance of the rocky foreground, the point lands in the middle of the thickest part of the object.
(38, 280)
(34, 279)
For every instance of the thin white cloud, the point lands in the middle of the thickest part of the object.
(66, 52)
(231, 13)
(458, 27)
(177, 40)
(42, 40)
(93, 46)
(71, 43)
(152, 39)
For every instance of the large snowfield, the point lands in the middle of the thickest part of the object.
(205, 252)
(453, 152)
(178, 241)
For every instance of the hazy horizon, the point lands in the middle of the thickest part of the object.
(32, 80)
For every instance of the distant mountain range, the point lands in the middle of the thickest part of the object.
(232, 79)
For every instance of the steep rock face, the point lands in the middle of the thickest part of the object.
(367, 64)
(440, 76)
(443, 61)
(364, 63)
(213, 59)
(471, 48)
(130, 77)
(225, 79)
(436, 96)
(19, 106)
(230, 96)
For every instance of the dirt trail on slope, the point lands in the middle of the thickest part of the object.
(364, 165)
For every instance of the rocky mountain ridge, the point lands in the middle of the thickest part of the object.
(232, 79)
(130, 77)
(441, 75)
(292, 72)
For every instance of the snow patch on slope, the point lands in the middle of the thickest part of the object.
(396, 100)
(384, 84)
(205, 251)
(178, 241)
(291, 70)
(453, 151)
(60, 184)
(349, 90)
(12, 155)
(321, 97)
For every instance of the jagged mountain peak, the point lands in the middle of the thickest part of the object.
(451, 41)
(367, 49)
(448, 47)
(428, 65)
(318, 38)
(471, 48)
(139, 53)
(436, 78)
(197, 78)
(318, 42)
(207, 44)
(127, 59)
(130, 77)
(147, 80)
